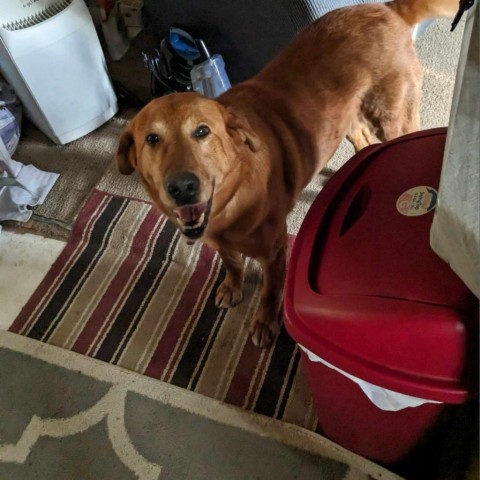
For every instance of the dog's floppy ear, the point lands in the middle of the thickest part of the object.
(126, 157)
(238, 126)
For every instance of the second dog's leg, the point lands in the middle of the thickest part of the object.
(230, 291)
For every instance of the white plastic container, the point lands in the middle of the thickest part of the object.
(51, 55)
(209, 77)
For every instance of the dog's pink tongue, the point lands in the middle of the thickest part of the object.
(190, 213)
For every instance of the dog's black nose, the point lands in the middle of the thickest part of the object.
(183, 187)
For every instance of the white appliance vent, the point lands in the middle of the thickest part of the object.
(37, 17)
(51, 55)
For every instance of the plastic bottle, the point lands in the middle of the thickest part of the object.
(209, 77)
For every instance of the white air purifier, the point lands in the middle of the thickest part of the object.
(50, 54)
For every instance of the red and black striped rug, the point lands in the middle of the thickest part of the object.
(127, 289)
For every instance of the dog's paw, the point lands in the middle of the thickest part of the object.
(264, 333)
(228, 296)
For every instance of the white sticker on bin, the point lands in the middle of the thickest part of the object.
(382, 398)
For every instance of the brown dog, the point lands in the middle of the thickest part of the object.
(228, 171)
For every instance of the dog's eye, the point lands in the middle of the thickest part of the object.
(201, 131)
(152, 138)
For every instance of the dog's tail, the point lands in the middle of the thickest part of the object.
(415, 11)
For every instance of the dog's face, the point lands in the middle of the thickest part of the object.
(183, 146)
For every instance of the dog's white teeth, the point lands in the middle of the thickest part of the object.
(198, 223)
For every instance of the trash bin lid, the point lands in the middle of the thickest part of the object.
(364, 288)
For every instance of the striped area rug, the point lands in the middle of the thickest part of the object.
(127, 289)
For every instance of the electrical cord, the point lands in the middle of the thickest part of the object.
(170, 64)
(153, 61)
(168, 73)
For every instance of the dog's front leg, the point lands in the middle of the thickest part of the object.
(230, 291)
(266, 324)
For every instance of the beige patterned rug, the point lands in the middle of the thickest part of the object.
(66, 416)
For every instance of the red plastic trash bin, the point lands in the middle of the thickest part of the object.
(389, 334)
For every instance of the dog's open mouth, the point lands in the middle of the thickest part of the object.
(193, 219)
